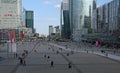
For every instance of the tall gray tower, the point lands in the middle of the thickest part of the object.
(80, 17)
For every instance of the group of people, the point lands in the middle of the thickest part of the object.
(52, 63)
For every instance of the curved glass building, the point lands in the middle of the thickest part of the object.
(80, 17)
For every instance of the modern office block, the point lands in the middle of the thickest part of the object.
(107, 17)
(65, 22)
(80, 17)
(10, 14)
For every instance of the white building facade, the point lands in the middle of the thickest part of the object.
(10, 14)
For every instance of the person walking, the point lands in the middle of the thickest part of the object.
(69, 65)
(23, 58)
(45, 56)
(48, 57)
(52, 63)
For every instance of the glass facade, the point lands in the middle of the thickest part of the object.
(80, 16)
(65, 22)
(107, 17)
(29, 21)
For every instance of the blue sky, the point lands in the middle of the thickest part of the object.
(46, 12)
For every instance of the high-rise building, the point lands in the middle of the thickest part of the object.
(106, 18)
(80, 17)
(65, 22)
(29, 19)
(10, 17)
(106, 22)
(57, 32)
(10, 14)
(51, 30)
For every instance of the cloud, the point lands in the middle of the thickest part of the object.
(47, 3)
(58, 6)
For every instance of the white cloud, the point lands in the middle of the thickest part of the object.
(58, 6)
(47, 3)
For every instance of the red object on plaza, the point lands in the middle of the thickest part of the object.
(97, 43)
(12, 36)
(22, 35)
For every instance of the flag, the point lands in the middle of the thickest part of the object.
(12, 36)
(22, 35)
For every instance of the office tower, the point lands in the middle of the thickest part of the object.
(10, 14)
(65, 22)
(80, 17)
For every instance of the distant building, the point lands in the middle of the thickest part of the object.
(51, 30)
(28, 19)
(57, 29)
(57, 32)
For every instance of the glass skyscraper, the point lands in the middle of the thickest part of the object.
(80, 17)
(65, 22)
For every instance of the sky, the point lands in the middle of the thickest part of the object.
(47, 12)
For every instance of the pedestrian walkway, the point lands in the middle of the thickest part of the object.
(59, 61)
(95, 52)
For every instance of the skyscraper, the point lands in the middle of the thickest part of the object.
(65, 22)
(80, 17)
(28, 19)
(10, 14)
(51, 30)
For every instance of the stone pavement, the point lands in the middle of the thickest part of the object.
(90, 63)
(86, 48)
(36, 62)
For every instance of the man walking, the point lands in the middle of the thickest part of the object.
(52, 63)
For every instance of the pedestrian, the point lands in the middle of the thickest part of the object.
(52, 63)
(35, 50)
(26, 52)
(49, 48)
(57, 52)
(48, 57)
(21, 61)
(23, 58)
(69, 65)
(45, 55)
(67, 54)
